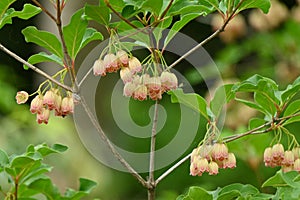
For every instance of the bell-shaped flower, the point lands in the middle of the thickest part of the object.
(168, 80)
(213, 168)
(135, 65)
(67, 105)
(111, 62)
(122, 58)
(126, 75)
(140, 93)
(43, 116)
(36, 104)
(219, 152)
(21, 97)
(99, 68)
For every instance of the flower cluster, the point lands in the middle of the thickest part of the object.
(138, 85)
(111, 63)
(288, 160)
(41, 105)
(210, 158)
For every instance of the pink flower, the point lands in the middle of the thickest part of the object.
(126, 75)
(194, 171)
(67, 106)
(135, 65)
(230, 162)
(296, 152)
(202, 164)
(22, 97)
(277, 153)
(168, 80)
(122, 58)
(140, 93)
(49, 99)
(99, 68)
(268, 157)
(154, 88)
(129, 89)
(297, 165)
(43, 117)
(288, 159)
(111, 63)
(213, 168)
(219, 152)
(36, 104)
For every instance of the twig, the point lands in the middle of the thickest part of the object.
(166, 10)
(44, 9)
(119, 15)
(67, 59)
(207, 39)
(37, 70)
(166, 173)
(109, 144)
(151, 180)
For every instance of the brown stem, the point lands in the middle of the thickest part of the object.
(109, 144)
(16, 188)
(166, 10)
(151, 179)
(44, 9)
(119, 15)
(37, 70)
(69, 64)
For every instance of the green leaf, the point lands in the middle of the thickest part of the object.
(196, 193)
(21, 162)
(291, 90)
(222, 96)
(292, 108)
(182, 7)
(256, 122)
(233, 194)
(86, 185)
(292, 120)
(179, 25)
(281, 179)
(44, 39)
(244, 190)
(4, 5)
(27, 12)
(254, 106)
(192, 100)
(264, 5)
(44, 57)
(59, 148)
(153, 6)
(74, 32)
(98, 13)
(3, 158)
(129, 11)
(265, 103)
(45, 186)
(90, 35)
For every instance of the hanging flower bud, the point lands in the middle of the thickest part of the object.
(213, 168)
(36, 104)
(58, 101)
(277, 153)
(135, 65)
(230, 162)
(268, 157)
(288, 159)
(296, 152)
(111, 62)
(22, 97)
(194, 154)
(202, 164)
(43, 117)
(99, 68)
(126, 75)
(67, 106)
(168, 80)
(297, 165)
(219, 151)
(194, 171)
(140, 93)
(49, 99)
(154, 88)
(122, 58)
(129, 89)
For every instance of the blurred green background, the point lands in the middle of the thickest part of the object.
(253, 43)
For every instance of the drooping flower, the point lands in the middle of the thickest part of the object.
(111, 62)
(213, 168)
(126, 75)
(202, 164)
(22, 97)
(122, 58)
(99, 68)
(268, 157)
(296, 152)
(154, 88)
(140, 93)
(168, 80)
(67, 106)
(288, 159)
(277, 153)
(297, 165)
(129, 89)
(49, 99)
(135, 65)
(219, 151)
(230, 162)
(43, 116)
(36, 104)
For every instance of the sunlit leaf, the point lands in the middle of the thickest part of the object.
(100, 14)
(191, 100)
(292, 108)
(44, 57)
(44, 39)
(264, 5)
(74, 32)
